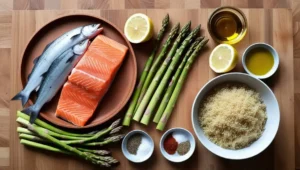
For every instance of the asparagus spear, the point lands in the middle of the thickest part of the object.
(50, 127)
(158, 61)
(78, 141)
(97, 135)
(35, 128)
(44, 146)
(107, 159)
(98, 152)
(106, 141)
(173, 82)
(37, 139)
(167, 112)
(26, 131)
(137, 91)
(32, 138)
(155, 67)
(160, 89)
(160, 73)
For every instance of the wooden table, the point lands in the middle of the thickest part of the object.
(31, 160)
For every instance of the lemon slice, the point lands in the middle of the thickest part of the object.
(223, 58)
(138, 28)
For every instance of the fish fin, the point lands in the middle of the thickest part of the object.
(36, 60)
(75, 36)
(47, 46)
(33, 112)
(71, 59)
(44, 74)
(21, 96)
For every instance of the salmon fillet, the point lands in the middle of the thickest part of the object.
(90, 80)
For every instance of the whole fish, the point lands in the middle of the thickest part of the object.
(51, 52)
(55, 77)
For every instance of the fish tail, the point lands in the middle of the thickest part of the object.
(21, 96)
(33, 112)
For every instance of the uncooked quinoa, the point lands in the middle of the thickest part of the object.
(232, 115)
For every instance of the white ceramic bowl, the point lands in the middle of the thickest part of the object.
(272, 123)
(176, 157)
(274, 54)
(135, 158)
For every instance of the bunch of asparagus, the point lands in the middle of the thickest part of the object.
(160, 84)
(45, 136)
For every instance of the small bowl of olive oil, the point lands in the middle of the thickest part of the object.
(260, 60)
(227, 25)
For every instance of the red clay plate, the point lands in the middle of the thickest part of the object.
(121, 88)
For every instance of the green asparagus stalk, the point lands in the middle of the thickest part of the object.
(162, 85)
(160, 58)
(43, 146)
(32, 138)
(183, 33)
(137, 91)
(52, 128)
(98, 152)
(37, 139)
(24, 130)
(160, 74)
(35, 128)
(107, 159)
(106, 141)
(178, 87)
(78, 141)
(97, 135)
(173, 82)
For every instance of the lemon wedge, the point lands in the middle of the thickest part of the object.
(138, 28)
(223, 58)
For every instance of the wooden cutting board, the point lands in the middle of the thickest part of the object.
(272, 26)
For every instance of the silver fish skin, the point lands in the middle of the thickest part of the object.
(55, 77)
(51, 52)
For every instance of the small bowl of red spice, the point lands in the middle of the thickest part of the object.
(177, 144)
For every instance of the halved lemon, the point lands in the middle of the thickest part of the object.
(138, 28)
(223, 58)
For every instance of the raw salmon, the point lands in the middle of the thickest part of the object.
(90, 80)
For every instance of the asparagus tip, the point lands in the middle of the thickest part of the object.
(115, 138)
(166, 17)
(176, 27)
(116, 130)
(110, 159)
(115, 124)
(102, 152)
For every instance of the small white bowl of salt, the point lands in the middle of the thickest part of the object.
(137, 146)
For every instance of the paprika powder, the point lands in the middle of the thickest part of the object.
(170, 144)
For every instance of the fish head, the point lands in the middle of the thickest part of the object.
(91, 30)
(81, 47)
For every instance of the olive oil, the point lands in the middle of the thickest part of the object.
(259, 61)
(227, 25)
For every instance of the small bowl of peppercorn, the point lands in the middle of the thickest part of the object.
(137, 146)
(177, 144)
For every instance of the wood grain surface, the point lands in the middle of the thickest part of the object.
(6, 7)
(273, 26)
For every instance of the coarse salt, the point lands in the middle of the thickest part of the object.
(180, 137)
(145, 147)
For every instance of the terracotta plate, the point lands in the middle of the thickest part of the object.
(121, 88)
